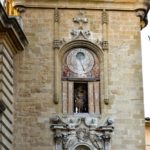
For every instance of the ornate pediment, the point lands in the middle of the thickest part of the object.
(75, 131)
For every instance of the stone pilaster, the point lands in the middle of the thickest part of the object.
(105, 47)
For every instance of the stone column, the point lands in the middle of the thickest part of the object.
(56, 44)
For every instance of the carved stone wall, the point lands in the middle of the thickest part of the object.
(82, 132)
(50, 28)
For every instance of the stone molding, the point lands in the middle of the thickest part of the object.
(77, 130)
(57, 44)
(119, 5)
(56, 15)
(10, 27)
(142, 13)
(104, 17)
(105, 45)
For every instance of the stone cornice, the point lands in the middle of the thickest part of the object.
(143, 17)
(9, 27)
(125, 5)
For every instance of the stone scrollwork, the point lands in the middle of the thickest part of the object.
(143, 17)
(56, 15)
(58, 43)
(97, 141)
(104, 17)
(82, 134)
(71, 132)
(58, 137)
(77, 32)
(105, 45)
(81, 20)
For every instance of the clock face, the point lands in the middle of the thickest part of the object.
(80, 60)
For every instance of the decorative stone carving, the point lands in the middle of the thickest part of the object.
(99, 43)
(82, 147)
(106, 101)
(77, 32)
(105, 45)
(74, 131)
(58, 43)
(104, 17)
(80, 32)
(143, 17)
(80, 19)
(56, 15)
(82, 134)
(20, 9)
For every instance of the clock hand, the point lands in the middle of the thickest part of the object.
(82, 65)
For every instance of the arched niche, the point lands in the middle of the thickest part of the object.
(65, 89)
(82, 147)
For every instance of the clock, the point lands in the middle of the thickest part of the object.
(80, 60)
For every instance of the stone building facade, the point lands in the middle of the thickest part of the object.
(12, 41)
(147, 133)
(78, 83)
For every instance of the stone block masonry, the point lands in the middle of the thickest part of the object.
(12, 40)
(35, 76)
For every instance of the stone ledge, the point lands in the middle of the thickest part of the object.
(128, 5)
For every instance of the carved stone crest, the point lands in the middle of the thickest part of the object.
(81, 20)
(83, 134)
(76, 33)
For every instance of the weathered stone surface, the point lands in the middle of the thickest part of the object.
(34, 80)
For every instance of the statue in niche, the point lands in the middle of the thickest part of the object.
(80, 98)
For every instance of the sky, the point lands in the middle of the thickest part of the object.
(145, 41)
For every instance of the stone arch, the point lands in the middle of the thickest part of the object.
(82, 146)
(81, 43)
